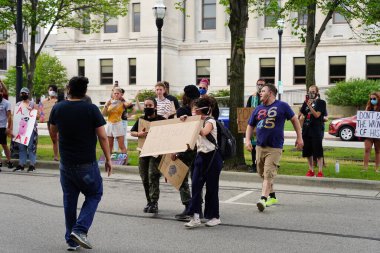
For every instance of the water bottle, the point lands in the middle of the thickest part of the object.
(337, 166)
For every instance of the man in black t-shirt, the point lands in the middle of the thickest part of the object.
(79, 125)
(313, 110)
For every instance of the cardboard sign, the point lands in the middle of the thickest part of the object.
(116, 159)
(174, 171)
(243, 115)
(171, 136)
(368, 124)
(23, 124)
(144, 125)
(45, 109)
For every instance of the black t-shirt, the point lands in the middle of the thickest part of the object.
(135, 127)
(184, 110)
(76, 122)
(174, 99)
(313, 126)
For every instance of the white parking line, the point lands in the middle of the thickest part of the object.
(241, 195)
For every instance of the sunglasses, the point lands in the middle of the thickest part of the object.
(202, 88)
(373, 98)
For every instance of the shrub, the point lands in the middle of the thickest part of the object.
(354, 92)
(144, 94)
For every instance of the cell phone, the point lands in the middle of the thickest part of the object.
(307, 98)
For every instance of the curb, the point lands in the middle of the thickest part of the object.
(245, 177)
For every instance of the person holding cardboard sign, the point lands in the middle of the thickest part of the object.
(207, 167)
(373, 104)
(148, 165)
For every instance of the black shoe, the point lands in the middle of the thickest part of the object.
(81, 239)
(1, 164)
(19, 167)
(153, 208)
(146, 208)
(72, 247)
(31, 168)
(184, 216)
(10, 165)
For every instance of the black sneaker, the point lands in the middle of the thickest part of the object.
(153, 208)
(146, 208)
(10, 165)
(1, 164)
(31, 168)
(184, 216)
(19, 167)
(81, 239)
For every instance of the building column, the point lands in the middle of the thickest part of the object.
(220, 22)
(252, 29)
(123, 28)
(95, 36)
(190, 21)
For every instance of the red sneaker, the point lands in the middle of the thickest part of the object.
(320, 174)
(310, 173)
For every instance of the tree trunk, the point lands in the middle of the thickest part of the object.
(238, 25)
(32, 54)
(310, 40)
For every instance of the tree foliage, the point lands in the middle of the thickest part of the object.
(354, 92)
(48, 14)
(49, 70)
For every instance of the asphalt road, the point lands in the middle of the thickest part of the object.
(308, 219)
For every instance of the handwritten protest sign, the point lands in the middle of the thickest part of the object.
(144, 125)
(171, 136)
(23, 124)
(174, 171)
(368, 124)
(45, 109)
(116, 159)
(243, 115)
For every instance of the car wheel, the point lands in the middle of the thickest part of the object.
(346, 133)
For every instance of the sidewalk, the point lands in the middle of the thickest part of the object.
(245, 177)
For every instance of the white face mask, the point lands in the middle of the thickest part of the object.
(52, 93)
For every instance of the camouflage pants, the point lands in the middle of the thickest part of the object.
(150, 176)
(184, 190)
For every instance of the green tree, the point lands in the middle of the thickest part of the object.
(354, 92)
(48, 14)
(361, 15)
(49, 70)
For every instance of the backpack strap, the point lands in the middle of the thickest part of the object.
(209, 136)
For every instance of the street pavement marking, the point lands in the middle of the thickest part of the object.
(241, 195)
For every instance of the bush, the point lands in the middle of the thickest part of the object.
(144, 94)
(222, 97)
(354, 92)
(221, 93)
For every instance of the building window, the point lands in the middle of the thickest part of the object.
(267, 69)
(3, 35)
(3, 59)
(106, 71)
(337, 69)
(132, 71)
(110, 26)
(299, 70)
(136, 17)
(86, 22)
(228, 71)
(81, 69)
(338, 18)
(270, 20)
(302, 18)
(38, 35)
(208, 14)
(373, 67)
(203, 70)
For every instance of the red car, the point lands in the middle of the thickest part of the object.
(343, 128)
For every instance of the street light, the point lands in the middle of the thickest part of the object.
(159, 10)
(280, 24)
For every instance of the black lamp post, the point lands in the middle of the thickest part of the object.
(280, 24)
(19, 49)
(159, 10)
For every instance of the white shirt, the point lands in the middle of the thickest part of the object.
(204, 145)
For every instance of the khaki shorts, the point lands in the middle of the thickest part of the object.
(268, 161)
(115, 129)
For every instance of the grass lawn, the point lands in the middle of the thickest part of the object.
(292, 163)
(289, 125)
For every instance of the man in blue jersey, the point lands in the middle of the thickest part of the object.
(269, 120)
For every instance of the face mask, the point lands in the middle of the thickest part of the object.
(312, 95)
(52, 93)
(24, 97)
(149, 111)
(374, 101)
(202, 91)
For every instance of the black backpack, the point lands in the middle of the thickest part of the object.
(226, 141)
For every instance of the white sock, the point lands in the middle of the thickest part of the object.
(196, 216)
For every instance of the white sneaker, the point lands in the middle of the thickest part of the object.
(193, 223)
(213, 222)
(261, 205)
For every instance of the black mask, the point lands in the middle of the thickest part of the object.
(149, 111)
(24, 97)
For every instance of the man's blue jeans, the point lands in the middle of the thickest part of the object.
(85, 179)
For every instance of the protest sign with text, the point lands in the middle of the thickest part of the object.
(23, 124)
(243, 115)
(368, 124)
